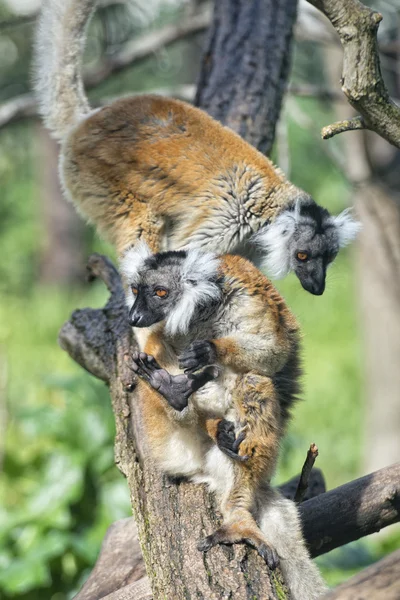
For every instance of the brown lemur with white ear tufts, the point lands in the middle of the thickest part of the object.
(163, 171)
(219, 369)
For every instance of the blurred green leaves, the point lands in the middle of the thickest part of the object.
(59, 489)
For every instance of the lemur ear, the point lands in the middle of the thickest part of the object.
(347, 227)
(133, 259)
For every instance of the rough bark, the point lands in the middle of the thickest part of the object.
(330, 520)
(362, 80)
(380, 581)
(171, 516)
(245, 66)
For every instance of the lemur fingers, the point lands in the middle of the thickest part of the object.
(199, 354)
(227, 441)
(233, 534)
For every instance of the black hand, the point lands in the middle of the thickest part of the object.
(199, 354)
(176, 389)
(227, 441)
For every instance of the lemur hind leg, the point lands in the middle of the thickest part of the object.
(258, 412)
(176, 389)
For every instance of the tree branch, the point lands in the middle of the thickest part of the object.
(341, 126)
(352, 511)
(145, 46)
(379, 581)
(305, 474)
(362, 81)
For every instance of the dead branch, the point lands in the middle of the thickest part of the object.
(341, 126)
(305, 473)
(362, 81)
(380, 581)
(352, 511)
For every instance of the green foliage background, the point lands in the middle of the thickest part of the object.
(59, 488)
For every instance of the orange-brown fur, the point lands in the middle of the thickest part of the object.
(256, 399)
(146, 164)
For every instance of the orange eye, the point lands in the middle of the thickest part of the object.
(135, 291)
(302, 256)
(161, 292)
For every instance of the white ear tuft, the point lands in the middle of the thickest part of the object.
(133, 260)
(346, 226)
(199, 277)
(274, 240)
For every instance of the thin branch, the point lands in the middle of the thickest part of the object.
(362, 81)
(341, 126)
(305, 473)
(145, 46)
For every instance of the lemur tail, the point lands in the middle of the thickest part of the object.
(280, 523)
(59, 47)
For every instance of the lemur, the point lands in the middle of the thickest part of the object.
(160, 170)
(219, 369)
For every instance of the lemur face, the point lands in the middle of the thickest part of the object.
(169, 286)
(154, 296)
(305, 239)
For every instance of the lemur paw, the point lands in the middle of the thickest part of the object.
(270, 555)
(176, 389)
(226, 536)
(227, 441)
(199, 354)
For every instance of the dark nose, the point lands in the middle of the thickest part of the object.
(134, 320)
(314, 286)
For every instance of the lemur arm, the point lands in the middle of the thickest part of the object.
(247, 352)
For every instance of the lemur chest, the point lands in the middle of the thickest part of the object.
(215, 399)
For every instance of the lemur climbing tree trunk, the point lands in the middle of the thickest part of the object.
(242, 81)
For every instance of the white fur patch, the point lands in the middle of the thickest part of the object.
(274, 240)
(198, 269)
(132, 262)
(58, 57)
(346, 226)
(131, 265)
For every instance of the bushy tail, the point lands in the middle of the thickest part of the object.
(280, 523)
(59, 47)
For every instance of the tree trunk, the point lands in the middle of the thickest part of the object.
(245, 66)
(63, 248)
(373, 167)
(379, 277)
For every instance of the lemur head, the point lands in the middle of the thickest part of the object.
(168, 286)
(305, 238)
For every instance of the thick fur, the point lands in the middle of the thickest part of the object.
(161, 170)
(256, 342)
(60, 42)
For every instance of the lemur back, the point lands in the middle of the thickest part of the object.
(160, 170)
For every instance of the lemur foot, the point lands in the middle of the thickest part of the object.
(228, 536)
(176, 389)
(227, 441)
(199, 354)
